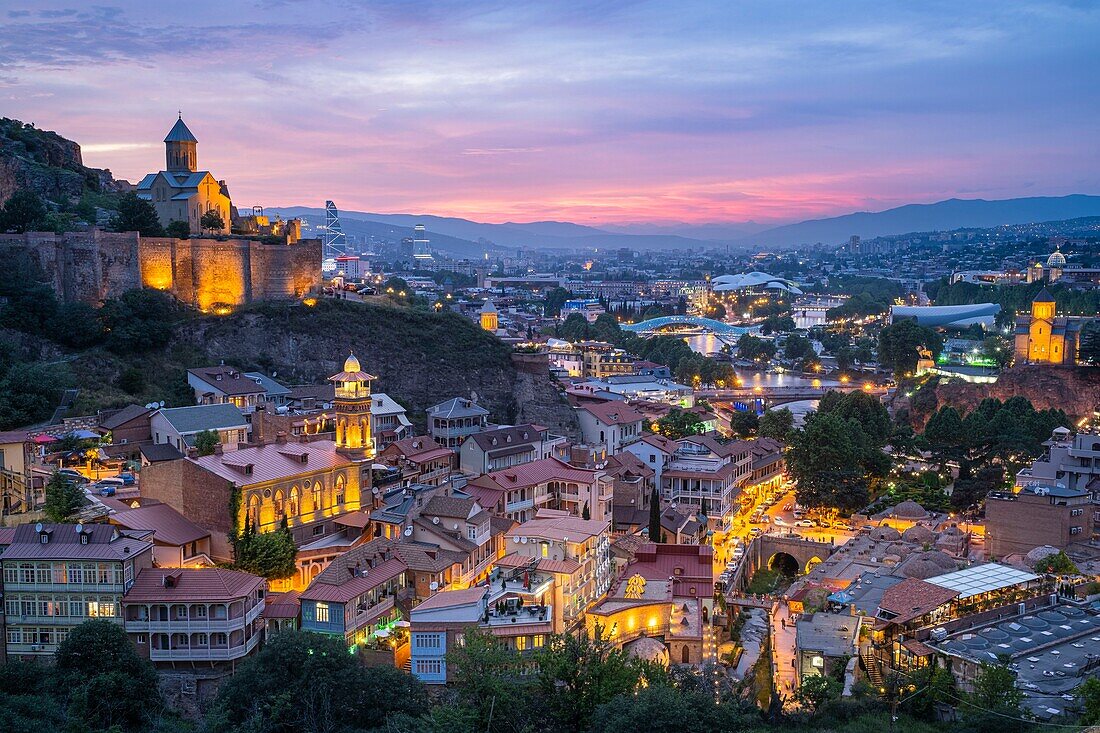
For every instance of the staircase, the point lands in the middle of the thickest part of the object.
(874, 674)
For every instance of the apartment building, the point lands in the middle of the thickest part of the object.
(612, 425)
(355, 596)
(450, 423)
(420, 459)
(56, 576)
(500, 448)
(198, 617)
(703, 475)
(1070, 460)
(1037, 515)
(548, 483)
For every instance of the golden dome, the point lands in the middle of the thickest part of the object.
(352, 364)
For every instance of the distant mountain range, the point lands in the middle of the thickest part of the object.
(466, 238)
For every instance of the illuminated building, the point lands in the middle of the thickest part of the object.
(56, 576)
(420, 460)
(451, 422)
(198, 617)
(181, 192)
(522, 492)
(490, 319)
(1045, 337)
(612, 425)
(225, 384)
(352, 404)
(500, 448)
(666, 594)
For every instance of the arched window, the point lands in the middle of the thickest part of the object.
(339, 498)
(254, 510)
(317, 496)
(279, 507)
(295, 500)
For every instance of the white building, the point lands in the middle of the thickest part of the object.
(178, 426)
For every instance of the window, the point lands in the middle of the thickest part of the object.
(321, 613)
(1076, 512)
(318, 530)
(521, 643)
(202, 640)
(471, 531)
(200, 611)
(428, 641)
(539, 640)
(429, 666)
(181, 612)
(1075, 530)
(140, 639)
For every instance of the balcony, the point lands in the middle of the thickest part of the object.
(523, 615)
(196, 625)
(204, 654)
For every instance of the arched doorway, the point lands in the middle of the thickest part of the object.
(812, 563)
(685, 655)
(784, 563)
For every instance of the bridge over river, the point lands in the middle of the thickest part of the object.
(770, 395)
(687, 324)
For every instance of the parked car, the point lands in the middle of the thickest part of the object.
(128, 479)
(106, 489)
(805, 523)
(755, 532)
(779, 521)
(73, 475)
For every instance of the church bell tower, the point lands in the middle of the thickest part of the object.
(352, 404)
(180, 149)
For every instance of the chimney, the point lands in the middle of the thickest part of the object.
(303, 438)
(218, 449)
(280, 437)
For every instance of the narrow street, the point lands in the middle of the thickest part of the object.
(783, 652)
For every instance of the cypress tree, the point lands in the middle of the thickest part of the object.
(655, 517)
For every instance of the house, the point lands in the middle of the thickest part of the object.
(389, 423)
(825, 643)
(703, 477)
(56, 576)
(459, 524)
(177, 541)
(553, 484)
(612, 424)
(632, 491)
(493, 450)
(420, 459)
(575, 550)
(157, 453)
(195, 617)
(355, 597)
(131, 424)
(451, 422)
(654, 451)
(282, 612)
(1070, 460)
(16, 494)
(178, 426)
(225, 385)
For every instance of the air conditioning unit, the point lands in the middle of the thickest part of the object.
(939, 633)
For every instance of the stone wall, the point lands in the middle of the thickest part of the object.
(205, 273)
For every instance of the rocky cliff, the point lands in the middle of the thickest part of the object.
(47, 164)
(1074, 390)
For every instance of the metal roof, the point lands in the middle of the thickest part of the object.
(980, 579)
(180, 134)
(195, 419)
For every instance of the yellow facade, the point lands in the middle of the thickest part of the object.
(1043, 345)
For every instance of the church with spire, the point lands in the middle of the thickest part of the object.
(182, 192)
(1044, 337)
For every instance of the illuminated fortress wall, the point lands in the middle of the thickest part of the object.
(205, 273)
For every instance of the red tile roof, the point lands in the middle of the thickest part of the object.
(540, 471)
(545, 564)
(668, 445)
(417, 449)
(355, 585)
(169, 527)
(202, 584)
(614, 412)
(913, 598)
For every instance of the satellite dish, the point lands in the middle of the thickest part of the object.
(161, 403)
(455, 526)
(434, 585)
(38, 528)
(374, 491)
(516, 540)
(435, 520)
(524, 540)
(408, 531)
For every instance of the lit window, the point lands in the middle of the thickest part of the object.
(322, 613)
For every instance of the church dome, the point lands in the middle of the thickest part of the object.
(352, 364)
(1056, 259)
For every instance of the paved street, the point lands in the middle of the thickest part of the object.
(783, 651)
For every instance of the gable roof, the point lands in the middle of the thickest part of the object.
(105, 542)
(169, 527)
(195, 419)
(418, 448)
(913, 598)
(506, 437)
(540, 471)
(123, 416)
(660, 442)
(451, 506)
(273, 461)
(614, 412)
(341, 585)
(157, 452)
(457, 407)
(1044, 296)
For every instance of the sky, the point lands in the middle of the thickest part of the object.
(605, 112)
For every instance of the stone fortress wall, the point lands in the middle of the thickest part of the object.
(205, 273)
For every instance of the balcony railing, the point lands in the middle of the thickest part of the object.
(204, 654)
(185, 625)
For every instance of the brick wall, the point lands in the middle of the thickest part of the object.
(197, 494)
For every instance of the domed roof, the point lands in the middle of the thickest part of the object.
(649, 649)
(909, 509)
(918, 534)
(926, 565)
(1039, 553)
(351, 364)
(885, 533)
(1056, 259)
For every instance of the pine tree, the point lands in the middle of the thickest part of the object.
(63, 498)
(655, 517)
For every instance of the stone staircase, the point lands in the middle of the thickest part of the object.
(874, 674)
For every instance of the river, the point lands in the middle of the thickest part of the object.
(711, 344)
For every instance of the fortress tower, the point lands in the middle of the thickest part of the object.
(352, 404)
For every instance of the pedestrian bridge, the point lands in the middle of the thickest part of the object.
(697, 324)
(779, 551)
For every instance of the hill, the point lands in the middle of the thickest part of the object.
(940, 216)
(48, 164)
(420, 358)
(477, 236)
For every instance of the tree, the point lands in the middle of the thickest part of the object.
(63, 498)
(483, 673)
(305, 682)
(555, 299)
(744, 423)
(178, 229)
(777, 424)
(29, 392)
(996, 696)
(816, 690)
(898, 344)
(139, 320)
(24, 211)
(75, 324)
(755, 349)
(654, 516)
(94, 663)
(270, 554)
(577, 673)
(1090, 699)
(575, 328)
(969, 491)
(606, 328)
(680, 423)
(131, 380)
(206, 441)
(831, 460)
(135, 214)
(665, 708)
(798, 347)
(212, 221)
(586, 513)
(1057, 563)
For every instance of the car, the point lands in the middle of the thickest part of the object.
(115, 481)
(797, 513)
(72, 475)
(106, 489)
(805, 523)
(756, 532)
(780, 521)
(128, 479)
(1069, 697)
